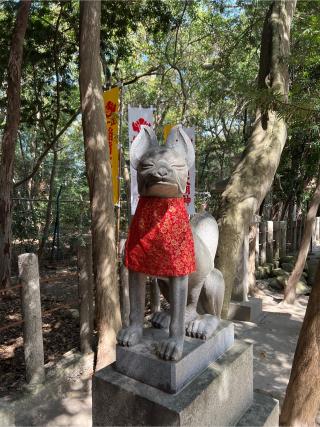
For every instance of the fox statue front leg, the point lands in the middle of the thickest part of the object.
(172, 347)
(132, 335)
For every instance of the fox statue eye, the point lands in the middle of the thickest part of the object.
(179, 166)
(147, 165)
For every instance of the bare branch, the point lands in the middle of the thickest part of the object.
(47, 149)
(151, 72)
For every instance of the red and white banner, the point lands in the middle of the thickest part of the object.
(137, 116)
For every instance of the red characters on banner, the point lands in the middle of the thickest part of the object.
(110, 108)
(136, 126)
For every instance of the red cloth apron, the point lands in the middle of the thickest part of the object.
(160, 241)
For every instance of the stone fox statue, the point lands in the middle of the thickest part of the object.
(162, 243)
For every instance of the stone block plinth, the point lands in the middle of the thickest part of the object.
(220, 395)
(141, 363)
(246, 311)
(264, 411)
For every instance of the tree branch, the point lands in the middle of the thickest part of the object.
(152, 71)
(47, 149)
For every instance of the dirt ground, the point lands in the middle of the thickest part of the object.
(60, 327)
(274, 340)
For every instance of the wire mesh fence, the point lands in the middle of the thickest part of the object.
(57, 232)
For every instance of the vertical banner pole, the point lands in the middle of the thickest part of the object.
(119, 169)
(111, 103)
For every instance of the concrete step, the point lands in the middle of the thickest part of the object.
(264, 412)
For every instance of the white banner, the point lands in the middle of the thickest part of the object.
(137, 116)
(191, 183)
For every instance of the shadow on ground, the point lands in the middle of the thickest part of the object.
(274, 340)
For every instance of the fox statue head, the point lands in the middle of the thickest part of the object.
(162, 171)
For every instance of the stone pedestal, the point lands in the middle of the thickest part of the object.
(213, 383)
(263, 412)
(221, 395)
(141, 363)
(246, 311)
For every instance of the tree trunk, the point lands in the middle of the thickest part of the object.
(9, 139)
(46, 227)
(100, 183)
(254, 174)
(302, 400)
(290, 290)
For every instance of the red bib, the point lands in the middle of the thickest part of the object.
(160, 241)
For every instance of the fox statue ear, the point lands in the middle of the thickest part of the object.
(180, 142)
(142, 143)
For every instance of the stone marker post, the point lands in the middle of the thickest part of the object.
(314, 235)
(270, 241)
(154, 295)
(257, 242)
(263, 243)
(276, 236)
(253, 252)
(241, 287)
(32, 327)
(241, 306)
(300, 227)
(295, 236)
(86, 296)
(283, 238)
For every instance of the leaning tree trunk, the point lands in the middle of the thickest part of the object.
(100, 182)
(9, 139)
(254, 174)
(302, 400)
(290, 290)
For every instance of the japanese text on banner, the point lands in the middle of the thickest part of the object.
(111, 106)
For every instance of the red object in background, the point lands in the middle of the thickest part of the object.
(110, 108)
(160, 241)
(136, 126)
